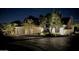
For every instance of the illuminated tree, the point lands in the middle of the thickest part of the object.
(42, 21)
(28, 25)
(9, 28)
(56, 19)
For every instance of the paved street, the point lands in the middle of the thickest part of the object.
(43, 44)
(40, 43)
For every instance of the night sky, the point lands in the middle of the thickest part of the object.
(12, 14)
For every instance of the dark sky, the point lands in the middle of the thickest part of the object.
(12, 14)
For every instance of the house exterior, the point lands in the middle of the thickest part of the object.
(21, 30)
(66, 28)
(55, 25)
(62, 31)
(60, 25)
